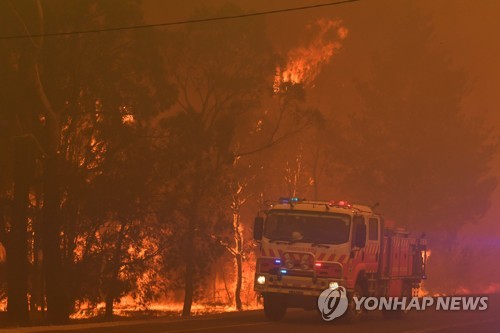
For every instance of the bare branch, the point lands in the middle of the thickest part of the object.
(144, 258)
(28, 33)
(273, 143)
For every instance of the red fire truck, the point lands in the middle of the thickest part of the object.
(305, 247)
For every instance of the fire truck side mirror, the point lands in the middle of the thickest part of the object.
(359, 235)
(258, 228)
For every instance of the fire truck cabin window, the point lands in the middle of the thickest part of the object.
(307, 227)
(373, 229)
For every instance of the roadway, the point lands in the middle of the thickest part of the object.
(298, 321)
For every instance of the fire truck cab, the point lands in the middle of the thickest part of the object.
(305, 247)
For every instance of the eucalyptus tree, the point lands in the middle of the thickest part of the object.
(82, 89)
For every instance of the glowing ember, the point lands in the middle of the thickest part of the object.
(128, 119)
(3, 253)
(127, 116)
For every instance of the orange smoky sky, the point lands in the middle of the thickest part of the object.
(466, 30)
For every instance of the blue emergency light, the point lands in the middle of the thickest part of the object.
(284, 200)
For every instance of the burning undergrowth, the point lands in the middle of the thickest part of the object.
(128, 308)
(154, 294)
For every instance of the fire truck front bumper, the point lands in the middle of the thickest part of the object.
(293, 285)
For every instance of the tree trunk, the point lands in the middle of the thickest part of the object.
(189, 272)
(17, 246)
(229, 297)
(37, 294)
(238, 250)
(57, 306)
(109, 306)
(69, 222)
(239, 279)
(116, 263)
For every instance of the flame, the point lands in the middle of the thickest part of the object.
(213, 297)
(304, 63)
(3, 253)
(493, 288)
(149, 295)
(427, 254)
(127, 116)
(128, 119)
(422, 290)
(128, 307)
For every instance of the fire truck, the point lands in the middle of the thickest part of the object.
(305, 247)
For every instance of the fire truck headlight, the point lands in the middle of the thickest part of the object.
(333, 285)
(261, 279)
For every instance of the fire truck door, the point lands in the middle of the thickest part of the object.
(372, 249)
(358, 238)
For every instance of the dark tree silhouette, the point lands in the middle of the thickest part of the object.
(220, 71)
(82, 91)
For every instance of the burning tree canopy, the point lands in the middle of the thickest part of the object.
(304, 63)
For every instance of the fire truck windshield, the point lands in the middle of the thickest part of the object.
(309, 227)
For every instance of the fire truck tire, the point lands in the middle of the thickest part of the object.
(352, 315)
(399, 314)
(274, 307)
(392, 314)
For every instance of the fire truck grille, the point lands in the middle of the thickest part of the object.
(298, 263)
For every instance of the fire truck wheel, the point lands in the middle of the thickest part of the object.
(353, 315)
(274, 307)
(400, 313)
(393, 314)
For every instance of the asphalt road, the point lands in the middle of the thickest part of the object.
(296, 321)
